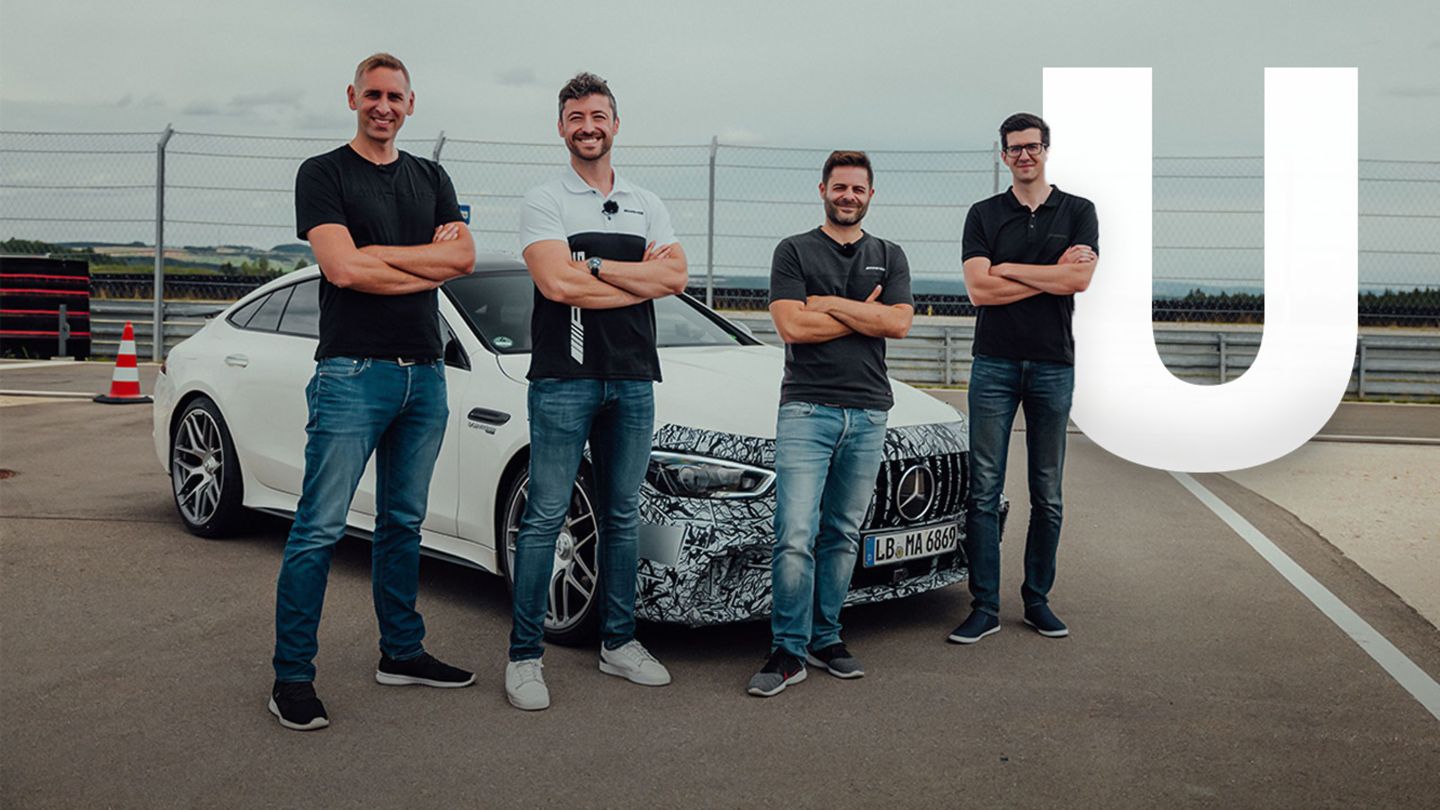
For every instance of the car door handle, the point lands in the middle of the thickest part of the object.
(237, 360)
(489, 417)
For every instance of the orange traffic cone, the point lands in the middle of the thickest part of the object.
(125, 382)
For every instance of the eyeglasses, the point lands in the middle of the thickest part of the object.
(1031, 149)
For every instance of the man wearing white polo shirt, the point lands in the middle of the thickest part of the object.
(599, 249)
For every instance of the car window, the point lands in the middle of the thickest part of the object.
(243, 315)
(267, 317)
(498, 305)
(302, 314)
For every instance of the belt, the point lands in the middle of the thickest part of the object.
(407, 361)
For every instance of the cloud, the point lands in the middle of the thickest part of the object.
(1414, 90)
(517, 77)
(125, 100)
(274, 98)
(740, 136)
(200, 108)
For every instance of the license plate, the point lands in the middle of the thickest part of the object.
(910, 544)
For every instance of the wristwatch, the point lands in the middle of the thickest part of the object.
(594, 264)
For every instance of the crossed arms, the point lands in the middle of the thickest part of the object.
(822, 318)
(1008, 282)
(662, 271)
(388, 269)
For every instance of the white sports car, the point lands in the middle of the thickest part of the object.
(230, 428)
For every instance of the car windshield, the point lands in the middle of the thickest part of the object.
(498, 303)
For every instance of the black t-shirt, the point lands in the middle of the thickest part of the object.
(397, 204)
(1003, 229)
(849, 371)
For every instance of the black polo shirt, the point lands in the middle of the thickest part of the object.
(398, 204)
(1003, 229)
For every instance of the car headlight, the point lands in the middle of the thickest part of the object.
(688, 476)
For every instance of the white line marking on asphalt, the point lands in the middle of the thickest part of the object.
(74, 394)
(1387, 655)
(36, 364)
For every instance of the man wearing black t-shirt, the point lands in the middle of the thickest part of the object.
(1026, 253)
(600, 249)
(386, 230)
(836, 293)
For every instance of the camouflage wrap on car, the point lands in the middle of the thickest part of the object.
(723, 570)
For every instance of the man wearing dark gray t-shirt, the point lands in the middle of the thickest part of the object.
(836, 293)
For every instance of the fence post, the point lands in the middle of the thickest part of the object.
(157, 351)
(1223, 364)
(949, 349)
(710, 229)
(63, 331)
(1360, 382)
(439, 144)
(995, 167)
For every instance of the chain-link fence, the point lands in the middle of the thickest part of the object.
(228, 213)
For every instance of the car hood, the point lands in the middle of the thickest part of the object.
(736, 389)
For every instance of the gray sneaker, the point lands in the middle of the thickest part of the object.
(779, 672)
(525, 685)
(836, 660)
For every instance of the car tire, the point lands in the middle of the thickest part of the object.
(572, 617)
(204, 472)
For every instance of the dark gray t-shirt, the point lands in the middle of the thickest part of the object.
(847, 372)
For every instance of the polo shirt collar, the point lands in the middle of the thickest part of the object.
(576, 184)
(1050, 202)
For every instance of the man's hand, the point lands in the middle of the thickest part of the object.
(1077, 254)
(447, 232)
(829, 303)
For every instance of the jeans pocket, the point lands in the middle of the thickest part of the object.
(341, 366)
(797, 409)
(877, 416)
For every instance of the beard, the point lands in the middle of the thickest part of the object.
(832, 213)
(605, 144)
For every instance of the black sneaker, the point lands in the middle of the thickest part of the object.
(1043, 620)
(296, 706)
(779, 672)
(836, 660)
(976, 626)
(424, 669)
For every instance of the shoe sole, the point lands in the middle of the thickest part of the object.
(391, 679)
(796, 678)
(816, 662)
(972, 639)
(611, 669)
(317, 723)
(1049, 633)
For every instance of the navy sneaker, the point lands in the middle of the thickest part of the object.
(424, 669)
(779, 672)
(1043, 620)
(976, 626)
(297, 707)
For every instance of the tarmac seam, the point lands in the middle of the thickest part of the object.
(87, 519)
(1399, 666)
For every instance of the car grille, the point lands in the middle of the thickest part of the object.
(952, 476)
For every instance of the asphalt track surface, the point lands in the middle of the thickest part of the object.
(134, 669)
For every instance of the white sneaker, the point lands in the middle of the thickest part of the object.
(634, 663)
(525, 685)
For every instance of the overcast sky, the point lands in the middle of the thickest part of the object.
(823, 74)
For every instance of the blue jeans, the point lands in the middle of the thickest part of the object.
(360, 406)
(826, 462)
(998, 386)
(618, 419)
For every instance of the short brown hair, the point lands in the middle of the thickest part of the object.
(847, 158)
(380, 60)
(587, 84)
(1019, 122)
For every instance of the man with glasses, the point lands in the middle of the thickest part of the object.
(599, 249)
(1026, 252)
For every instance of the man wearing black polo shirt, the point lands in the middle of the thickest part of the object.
(600, 249)
(386, 231)
(1026, 253)
(836, 293)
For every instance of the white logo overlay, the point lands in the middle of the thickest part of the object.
(1125, 398)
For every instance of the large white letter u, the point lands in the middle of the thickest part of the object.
(1125, 399)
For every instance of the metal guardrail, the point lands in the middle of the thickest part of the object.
(1387, 367)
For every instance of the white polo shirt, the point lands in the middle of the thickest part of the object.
(570, 342)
